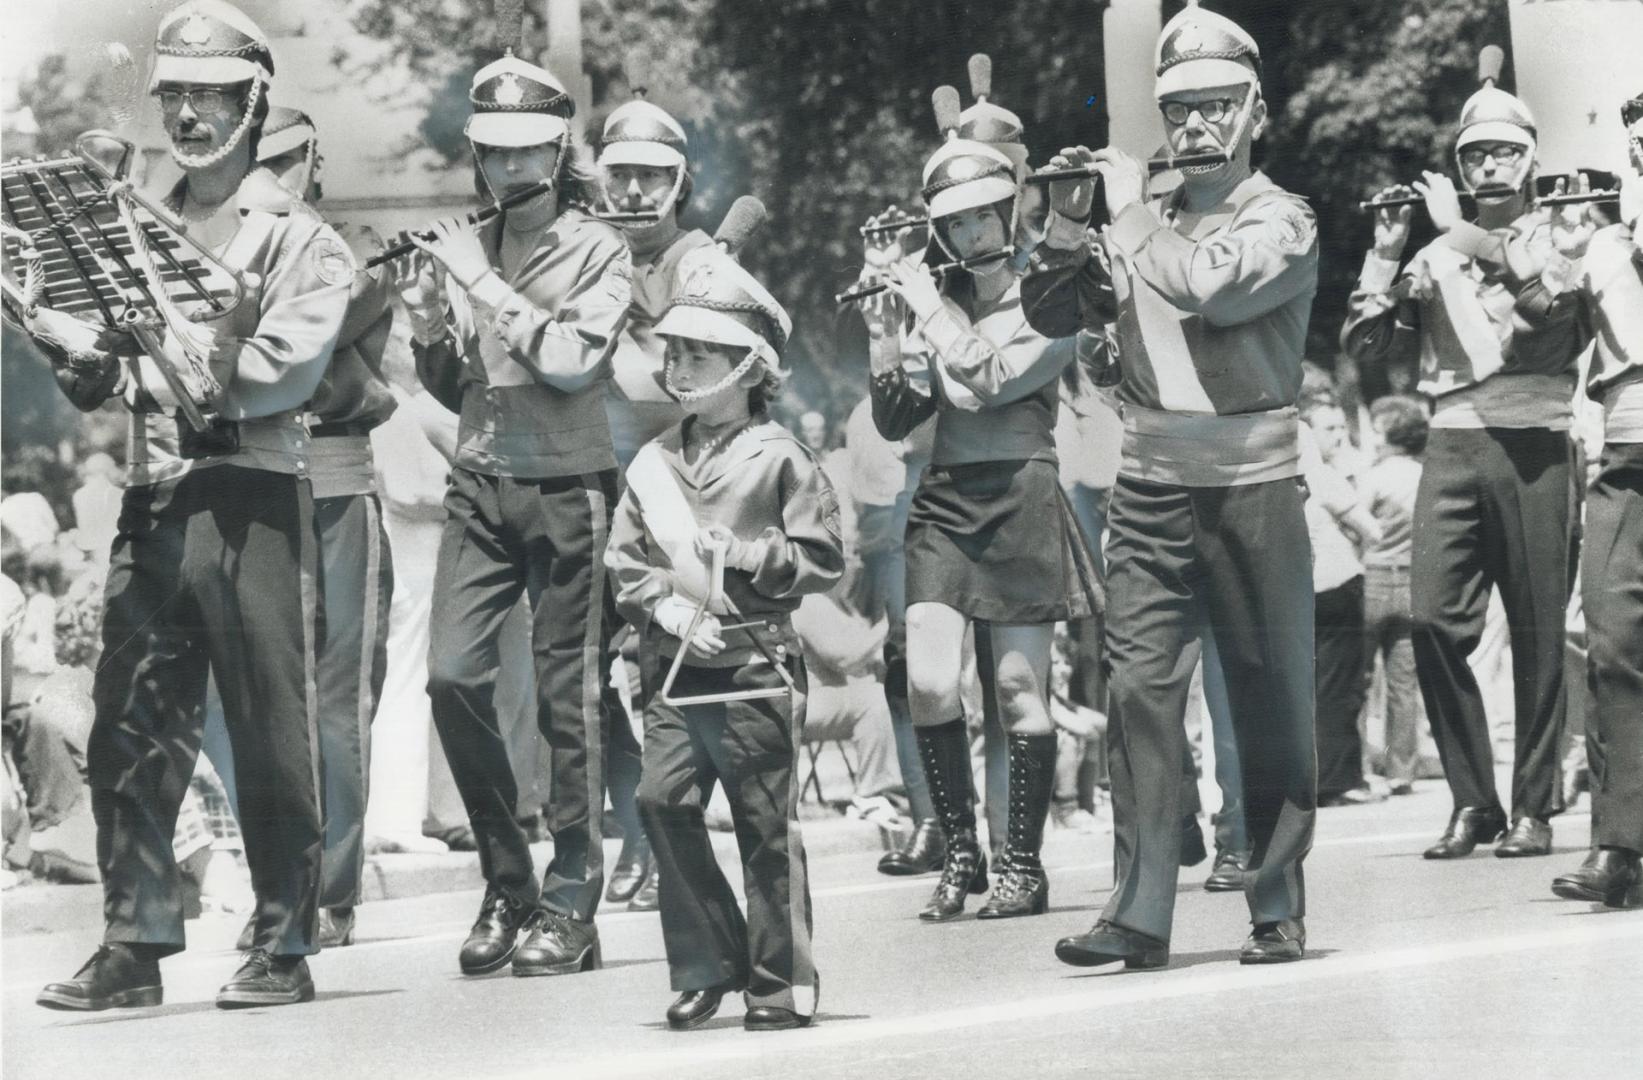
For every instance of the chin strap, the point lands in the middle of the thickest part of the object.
(693, 397)
(205, 161)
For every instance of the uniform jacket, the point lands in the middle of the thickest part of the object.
(1487, 361)
(640, 409)
(1210, 320)
(990, 380)
(763, 486)
(271, 351)
(526, 367)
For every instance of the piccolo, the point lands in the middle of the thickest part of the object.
(478, 217)
(894, 226)
(939, 271)
(1155, 165)
(629, 217)
(1568, 198)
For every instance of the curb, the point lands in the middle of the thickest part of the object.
(43, 908)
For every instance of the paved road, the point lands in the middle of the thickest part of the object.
(1416, 970)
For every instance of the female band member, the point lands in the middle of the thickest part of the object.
(991, 542)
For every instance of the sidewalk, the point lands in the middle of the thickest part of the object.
(44, 908)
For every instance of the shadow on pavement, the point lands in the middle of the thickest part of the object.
(186, 1008)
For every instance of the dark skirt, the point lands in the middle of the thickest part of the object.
(997, 540)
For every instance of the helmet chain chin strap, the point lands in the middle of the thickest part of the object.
(563, 142)
(206, 160)
(1245, 117)
(640, 226)
(693, 397)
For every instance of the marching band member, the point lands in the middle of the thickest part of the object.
(1496, 499)
(1210, 287)
(726, 476)
(642, 170)
(991, 542)
(357, 576)
(521, 350)
(1610, 286)
(215, 563)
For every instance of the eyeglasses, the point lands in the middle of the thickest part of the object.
(1213, 111)
(1503, 153)
(204, 100)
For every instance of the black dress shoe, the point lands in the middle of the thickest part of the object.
(964, 871)
(1228, 872)
(492, 940)
(1469, 826)
(1529, 837)
(116, 977)
(773, 1018)
(632, 867)
(265, 979)
(558, 945)
(693, 1008)
(1193, 851)
(336, 927)
(649, 896)
(1274, 943)
(1610, 875)
(1109, 943)
(922, 855)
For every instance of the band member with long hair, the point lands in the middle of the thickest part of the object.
(357, 575)
(1496, 503)
(1609, 284)
(513, 325)
(991, 541)
(215, 566)
(728, 478)
(1210, 287)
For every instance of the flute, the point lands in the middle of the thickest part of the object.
(894, 226)
(478, 217)
(629, 217)
(1568, 198)
(941, 270)
(1155, 165)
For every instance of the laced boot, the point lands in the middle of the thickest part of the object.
(1022, 888)
(946, 755)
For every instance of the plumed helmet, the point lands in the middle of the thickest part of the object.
(1200, 50)
(639, 133)
(210, 42)
(285, 131)
(719, 301)
(1491, 114)
(515, 102)
(963, 173)
(986, 122)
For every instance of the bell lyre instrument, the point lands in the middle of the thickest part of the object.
(91, 246)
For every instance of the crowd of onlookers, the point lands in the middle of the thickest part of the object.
(1362, 466)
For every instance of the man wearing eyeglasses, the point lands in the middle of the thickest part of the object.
(214, 569)
(1495, 507)
(1210, 288)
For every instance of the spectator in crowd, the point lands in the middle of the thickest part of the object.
(1399, 424)
(1335, 523)
(97, 505)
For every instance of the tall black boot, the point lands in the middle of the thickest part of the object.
(1022, 887)
(945, 751)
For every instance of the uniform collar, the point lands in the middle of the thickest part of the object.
(1174, 201)
(259, 192)
(746, 446)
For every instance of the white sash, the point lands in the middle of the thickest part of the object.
(668, 516)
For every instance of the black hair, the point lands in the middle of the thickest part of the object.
(1406, 423)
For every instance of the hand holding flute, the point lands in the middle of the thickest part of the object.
(408, 244)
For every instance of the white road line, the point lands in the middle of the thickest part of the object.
(731, 1045)
(455, 931)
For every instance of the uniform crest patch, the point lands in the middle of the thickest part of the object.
(830, 512)
(332, 262)
(1294, 229)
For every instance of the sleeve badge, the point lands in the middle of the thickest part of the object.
(332, 262)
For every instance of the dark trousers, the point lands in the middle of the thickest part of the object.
(749, 748)
(357, 589)
(215, 571)
(1612, 592)
(546, 539)
(1237, 559)
(1387, 635)
(1340, 680)
(1495, 506)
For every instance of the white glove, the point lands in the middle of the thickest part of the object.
(673, 615)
